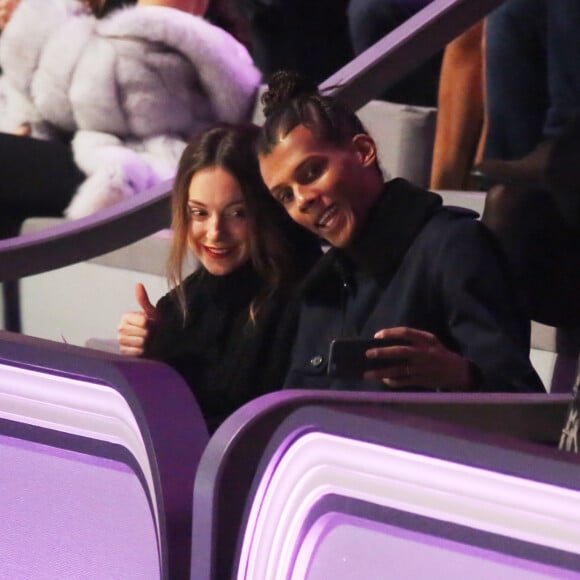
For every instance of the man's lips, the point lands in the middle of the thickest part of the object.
(326, 217)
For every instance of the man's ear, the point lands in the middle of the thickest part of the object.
(366, 148)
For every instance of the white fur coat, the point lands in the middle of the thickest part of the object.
(132, 88)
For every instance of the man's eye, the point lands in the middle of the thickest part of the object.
(311, 171)
(284, 196)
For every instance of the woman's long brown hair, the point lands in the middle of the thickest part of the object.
(276, 243)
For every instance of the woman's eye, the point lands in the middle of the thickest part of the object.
(196, 212)
(237, 213)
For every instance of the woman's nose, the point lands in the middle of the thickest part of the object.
(215, 228)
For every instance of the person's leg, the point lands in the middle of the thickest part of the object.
(319, 39)
(516, 83)
(37, 178)
(459, 110)
(308, 37)
(563, 54)
(371, 20)
(543, 250)
(562, 172)
(271, 48)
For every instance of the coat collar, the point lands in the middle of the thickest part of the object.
(394, 222)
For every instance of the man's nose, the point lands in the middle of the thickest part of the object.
(305, 197)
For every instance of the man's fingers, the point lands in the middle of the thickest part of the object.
(407, 335)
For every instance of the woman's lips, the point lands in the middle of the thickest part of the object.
(218, 252)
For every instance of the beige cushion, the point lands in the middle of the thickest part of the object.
(146, 255)
(404, 135)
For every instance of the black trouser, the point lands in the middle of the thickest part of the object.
(310, 37)
(37, 178)
(543, 248)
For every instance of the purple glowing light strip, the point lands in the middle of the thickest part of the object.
(73, 406)
(319, 464)
(342, 545)
(67, 513)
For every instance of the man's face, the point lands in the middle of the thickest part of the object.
(322, 186)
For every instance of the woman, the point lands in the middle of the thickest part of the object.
(223, 327)
(402, 267)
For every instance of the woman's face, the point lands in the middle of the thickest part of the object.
(324, 187)
(218, 228)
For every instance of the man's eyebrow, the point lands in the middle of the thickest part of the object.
(313, 157)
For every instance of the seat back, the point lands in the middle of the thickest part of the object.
(341, 494)
(99, 453)
(230, 461)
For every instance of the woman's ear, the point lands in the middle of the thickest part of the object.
(366, 148)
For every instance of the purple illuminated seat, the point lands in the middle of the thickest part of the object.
(99, 454)
(229, 463)
(342, 495)
(73, 509)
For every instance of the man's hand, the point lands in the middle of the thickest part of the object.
(428, 362)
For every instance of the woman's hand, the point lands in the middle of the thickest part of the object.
(23, 130)
(427, 362)
(6, 9)
(134, 327)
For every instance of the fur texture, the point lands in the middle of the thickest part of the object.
(131, 89)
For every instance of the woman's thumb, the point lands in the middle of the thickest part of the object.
(144, 302)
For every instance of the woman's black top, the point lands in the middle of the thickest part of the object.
(225, 358)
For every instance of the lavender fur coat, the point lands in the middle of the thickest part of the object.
(131, 89)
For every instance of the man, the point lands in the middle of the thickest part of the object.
(401, 266)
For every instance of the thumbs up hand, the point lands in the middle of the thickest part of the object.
(134, 327)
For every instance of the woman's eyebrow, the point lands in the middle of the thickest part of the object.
(200, 203)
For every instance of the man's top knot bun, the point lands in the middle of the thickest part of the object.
(284, 86)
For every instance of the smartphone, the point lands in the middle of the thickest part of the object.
(346, 356)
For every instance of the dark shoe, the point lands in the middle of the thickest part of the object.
(530, 170)
(563, 169)
(480, 181)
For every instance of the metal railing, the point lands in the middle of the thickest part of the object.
(358, 82)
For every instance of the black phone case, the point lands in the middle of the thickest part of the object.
(346, 356)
